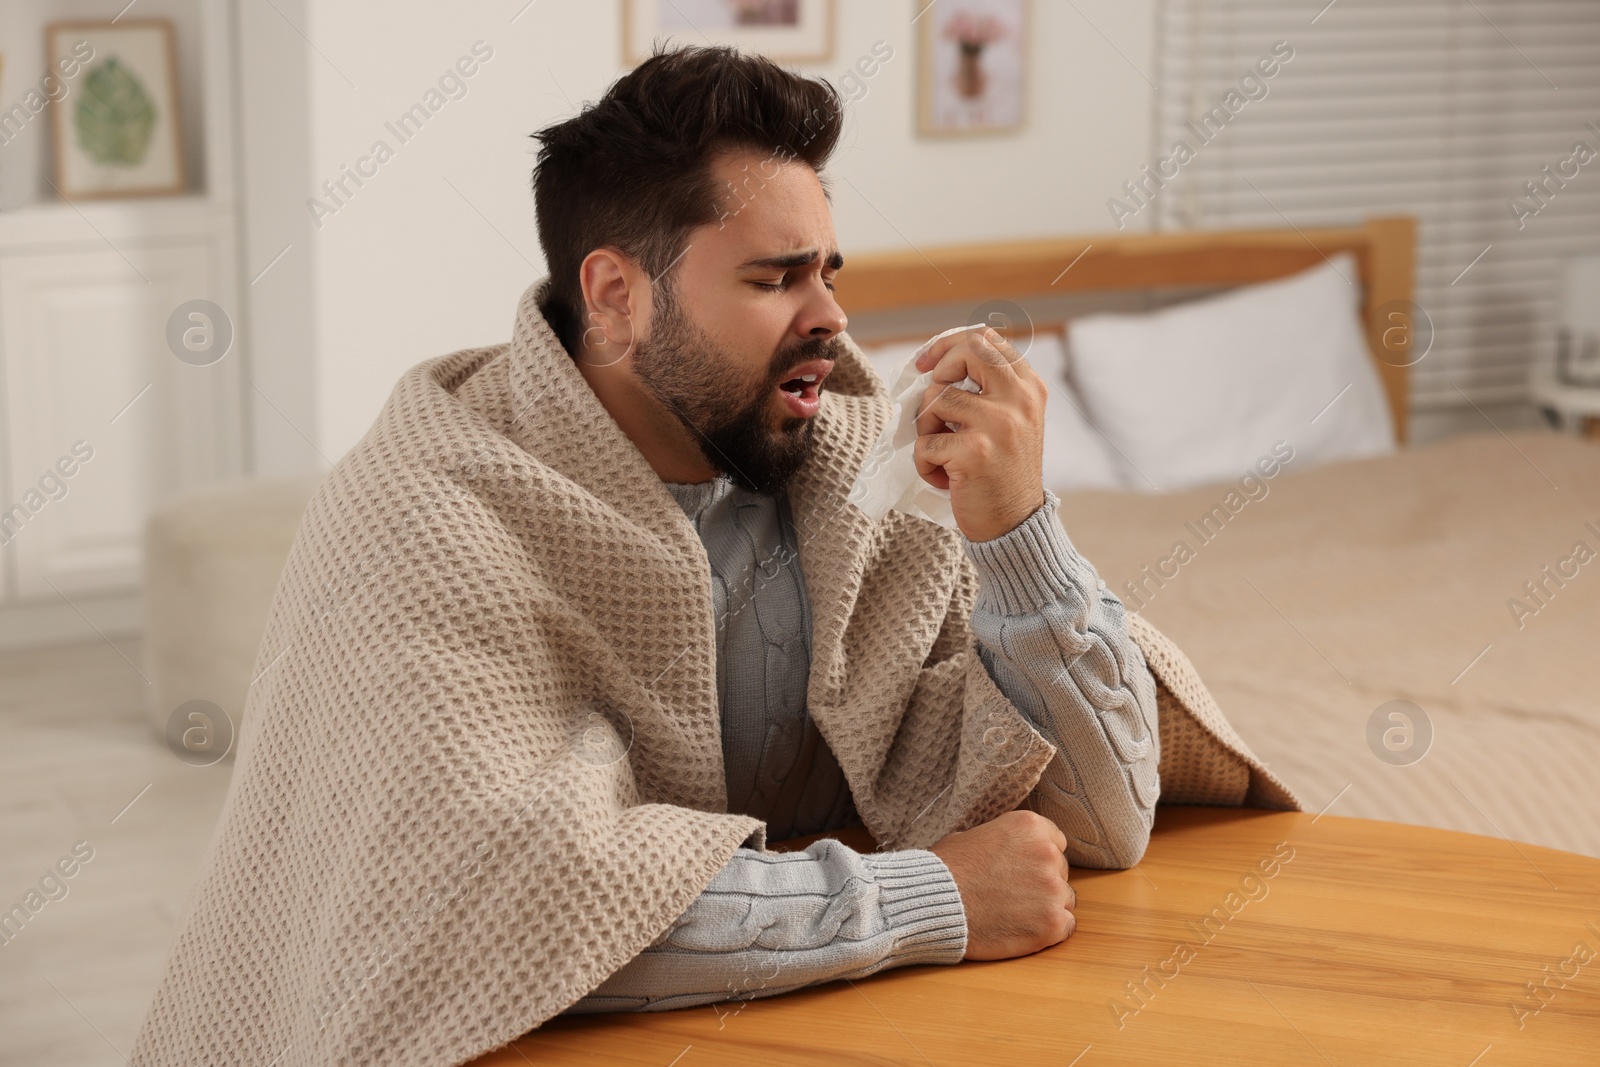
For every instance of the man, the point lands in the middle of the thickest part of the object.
(710, 341)
(586, 617)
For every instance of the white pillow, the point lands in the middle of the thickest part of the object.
(1075, 455)
(1198, 392)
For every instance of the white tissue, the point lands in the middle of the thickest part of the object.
(889, 480)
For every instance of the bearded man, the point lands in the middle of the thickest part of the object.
(587, 618)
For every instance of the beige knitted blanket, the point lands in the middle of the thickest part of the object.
(481, 768)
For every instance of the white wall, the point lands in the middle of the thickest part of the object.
(273, 118)
(431, 254)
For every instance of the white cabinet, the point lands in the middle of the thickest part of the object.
(99, 420)
(102, 418)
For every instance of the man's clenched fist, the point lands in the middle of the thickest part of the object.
(1012, 875)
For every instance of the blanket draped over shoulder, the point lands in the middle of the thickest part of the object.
(481, 768)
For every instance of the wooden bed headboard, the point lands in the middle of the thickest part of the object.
(1383, 249)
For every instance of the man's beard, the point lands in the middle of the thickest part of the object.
(689, 373)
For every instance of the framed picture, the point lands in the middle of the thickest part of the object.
(788, 31)
(972, 71)
(119, 133)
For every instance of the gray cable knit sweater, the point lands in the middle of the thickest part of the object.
(1054, 639)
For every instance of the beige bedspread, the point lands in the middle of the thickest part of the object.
(1356, 583)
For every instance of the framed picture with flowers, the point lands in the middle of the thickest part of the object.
(118, 132)
(786, 31)
(972, 67)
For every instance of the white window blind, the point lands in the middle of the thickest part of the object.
(1441, 109)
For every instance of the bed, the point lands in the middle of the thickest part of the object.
(1350, 585)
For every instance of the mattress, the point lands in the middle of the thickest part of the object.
(1312, 600)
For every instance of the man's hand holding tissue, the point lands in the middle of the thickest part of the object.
(991, 462)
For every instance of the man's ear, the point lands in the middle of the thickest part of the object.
(616, 296)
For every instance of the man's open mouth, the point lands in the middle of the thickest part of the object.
(802, 391)
(802, 386)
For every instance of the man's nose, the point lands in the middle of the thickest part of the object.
(823, 317)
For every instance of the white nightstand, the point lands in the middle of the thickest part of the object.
(1568, 406)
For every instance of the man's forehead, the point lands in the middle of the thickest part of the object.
(783, 216)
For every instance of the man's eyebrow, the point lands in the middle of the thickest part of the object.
(788, 260)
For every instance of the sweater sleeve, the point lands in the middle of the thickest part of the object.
(1054, 638)
(771, 922)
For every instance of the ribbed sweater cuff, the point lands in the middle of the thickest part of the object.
(1030, 567)
(921, 906)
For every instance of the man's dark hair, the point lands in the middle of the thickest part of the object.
(633, 172)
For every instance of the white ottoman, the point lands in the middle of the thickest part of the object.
(211, 563)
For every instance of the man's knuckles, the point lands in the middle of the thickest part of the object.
(1027, 821)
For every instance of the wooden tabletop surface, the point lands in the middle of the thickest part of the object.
(1243, 937)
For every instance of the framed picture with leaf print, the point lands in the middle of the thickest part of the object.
(118, 132)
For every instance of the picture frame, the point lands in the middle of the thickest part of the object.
(785, 31)
(972, 67)
(120, 133)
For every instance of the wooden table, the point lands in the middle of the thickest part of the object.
(1368, 943)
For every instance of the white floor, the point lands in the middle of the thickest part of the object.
(79, 762)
